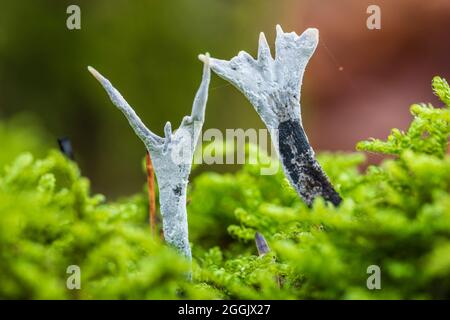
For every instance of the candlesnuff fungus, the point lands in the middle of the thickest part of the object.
(171, 156)
(273, 87)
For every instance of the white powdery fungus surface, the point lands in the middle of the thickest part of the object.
(272, 85)
(171, 156)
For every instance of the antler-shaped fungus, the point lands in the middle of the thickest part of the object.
(273, 87)
(171, 155)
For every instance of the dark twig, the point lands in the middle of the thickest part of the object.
(261, 244)
(66, 147)
(263, 249)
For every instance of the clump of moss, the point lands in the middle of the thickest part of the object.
(48, 221)
(395, 215)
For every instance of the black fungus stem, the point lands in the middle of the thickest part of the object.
(301, 167)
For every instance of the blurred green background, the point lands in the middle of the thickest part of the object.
(148, 49)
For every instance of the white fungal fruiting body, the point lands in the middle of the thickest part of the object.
(272, 85)
(171, 156)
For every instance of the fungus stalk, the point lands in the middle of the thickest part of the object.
(273, 87)
(171, 156)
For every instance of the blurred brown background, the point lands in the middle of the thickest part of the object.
(383, 71)
(359, 84)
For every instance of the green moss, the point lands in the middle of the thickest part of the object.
(49, 221)
(395, 215)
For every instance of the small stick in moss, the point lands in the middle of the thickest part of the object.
(151, 194)
(263, 249)
(261, 244)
